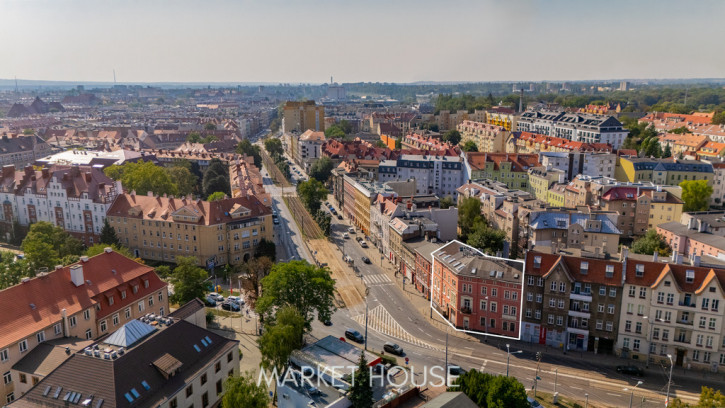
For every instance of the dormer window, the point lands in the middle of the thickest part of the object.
(135, 289)
(584, 267)
(110, 300)
(123, 294)
(689, 276)
(609, 271)
(145, 283)
(639, 270)
(537, 262)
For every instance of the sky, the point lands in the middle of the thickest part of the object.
(308, 41)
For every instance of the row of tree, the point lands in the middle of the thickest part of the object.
(474, 229)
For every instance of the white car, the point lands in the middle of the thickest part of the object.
(351, 230)
(363, 244)
(346, 235)
(216, 296)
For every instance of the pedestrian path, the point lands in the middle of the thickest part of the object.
(381, 321)
(377, 279)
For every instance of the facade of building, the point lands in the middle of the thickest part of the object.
(215, 233)
(81, 301)
(476, 292)
(575, 163)
(661, 171)
(488, 138)
(542, 179)
(641, 209)
(511, 169)
(692, 239)
(301, 116)
(75, 198)
(579, 127)
(22, 150)
(595, 232)
(439, 175)
(308, 148)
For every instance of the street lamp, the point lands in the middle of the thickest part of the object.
(586, 404)
(367, 291)
(631, 396)
(669, 382)
(508, 357)
(649, 349)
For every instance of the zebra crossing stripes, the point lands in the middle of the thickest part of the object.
(377, 279)
(381, 321)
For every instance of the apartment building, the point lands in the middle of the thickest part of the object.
(153, 362)
(578, 127)
(661, 171)
(215, 233)
(477, 292)
(84, 300)
(75, 198)
(308, 148)
(22, 150)
(682, 144)
(594, 232)
(301, 116)
(572, 303)
(641, 209)
(594, 164)
(542, 179)
(692, 239)
(487, 137)
(499, 116)
(433, 174)
(670, 308)
(511, 169)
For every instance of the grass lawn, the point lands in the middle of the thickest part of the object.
(222, 313)
(547, 400)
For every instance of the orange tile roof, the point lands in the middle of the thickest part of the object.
(54, 292)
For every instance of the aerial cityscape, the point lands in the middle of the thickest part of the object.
(404, 204)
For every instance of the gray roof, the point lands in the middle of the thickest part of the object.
(549, 220)
(464, 260)
(129, 334)
(676, 228)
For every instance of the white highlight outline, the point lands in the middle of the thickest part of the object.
(521, 293)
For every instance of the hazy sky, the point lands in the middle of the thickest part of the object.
(365, 40)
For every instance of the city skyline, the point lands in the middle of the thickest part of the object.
(282, 41)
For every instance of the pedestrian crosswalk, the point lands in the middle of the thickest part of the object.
(377, 279)
(381, 321)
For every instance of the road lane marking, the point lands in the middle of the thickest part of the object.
(381, 321)
(614, 395)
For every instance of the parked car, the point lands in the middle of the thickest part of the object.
(534, 403)
(354, 335)
(276, 221)
(210, 302)
(456, 370)
(366, 259)
(216, 296)
(351, 230)
(236, 299)
(630, 370)
(230, 306)
(327, 204)
(339, 216)
(358, 239)
(346, 235)
(393, 348)
(363, 244)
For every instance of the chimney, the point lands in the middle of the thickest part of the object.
(8, 170)
(624, 254)
(66, 327)
(108, 250)
(701, 226)
(88, 176)
(696, 260)
(76, 275)
(655, 256)
(691, 223)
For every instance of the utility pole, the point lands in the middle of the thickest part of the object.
(446, 354)
(367, 291)
(669, 382)
(536, 373)
(556, 377)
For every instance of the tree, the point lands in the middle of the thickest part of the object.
(487, 239)
(100, 248)
(251, 273)
(186, 181)
(143, 177)
(209, 126)
(47, 245)
(12, 271)
(361, 390)
(243, 391)
(321, 169)
(334, 132)
(469, 214)
(696, 195)
(216, 196)
(446, 202)
(246, 147)
(680, 130)
(651, 242)
(193, 137)
(492, 391)
(267, 249)
(108, 234)
(273, 147)
(469, 146)
(452, 136)
(718, 118)
(28, 132)
(297, 283)
(188, 280)
(281, 337)
(209, 139)
(311, 192)
(216, 178)
(667, 152)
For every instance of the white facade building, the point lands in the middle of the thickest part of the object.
(574, 126)
(439, 175)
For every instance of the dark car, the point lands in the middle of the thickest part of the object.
(630, 370)
(339, 216)
(456, 370)
(354, 335)
(366, 259)
(393, 348)
(230, 306)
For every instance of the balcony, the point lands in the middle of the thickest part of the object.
(581, 296)
(684, 321)
(577, 330)
(466, 310)
(685, 304)
(580, 314)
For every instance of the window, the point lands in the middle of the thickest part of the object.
(553, 286)
(703, 321)
(635, 346)
(40, 336)
(537, 314)
(72, 321)
(599, 324)
(217, 366)
(539, 298)
(712, 323)
(705, 303)
(23, 378)
(484, 290)
(610, 326)
(643, 293)
(625, 342)
(218, 387)
(174, 403)
(612, 292)
(57, 329)
(530, 280)
(628, 326)
(630, 308)
(561, 303)
(104, 326)
(161, 297)
(632, 291)
(4, 356)
(493, 307)
(540, 282)
(10, 397)
(551, 319)
(89, 334)
(7, 378)
(128, 312)
(600, 307)
(640, 310)
(670, 298)
(695, 355)
(552, 302)
(602, 291)
(205, 400)
(141, 306)
(189, 391)
(87, 314)
(639, 270)
(483, 305)
(115, 319)
(562, 287)
(494, 292)
(203, 379)
(23, 345)
(229, 357)
(665, 335)
(151, 301)
(529, 296)
(610, 309)
(660, 297)
(638, 328)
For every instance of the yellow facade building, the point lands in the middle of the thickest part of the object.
(220, 232)
(300, 116)
(661, 171)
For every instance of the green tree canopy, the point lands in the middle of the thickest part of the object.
(243, 391)
(281, 337)
(469, 214)
(13, 271)
(696, 195)
(718, 118)
(209, 126)
(334, 132)
(266, 248)
(246, 147)
(216, 196)
(274, 147)
(651, 242)
(143, 177)
(311, 193)
(99, 248)
(47, 245)
(311, 290)
(193, 137)
(361, 390)
(108, 234)
(487, 239)
(186, 181)
(469, 146)
(452, 136)
(188, 280)
(491, 391)
(447, 202)
(321, 169)
(216, 178)
(251, 273)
